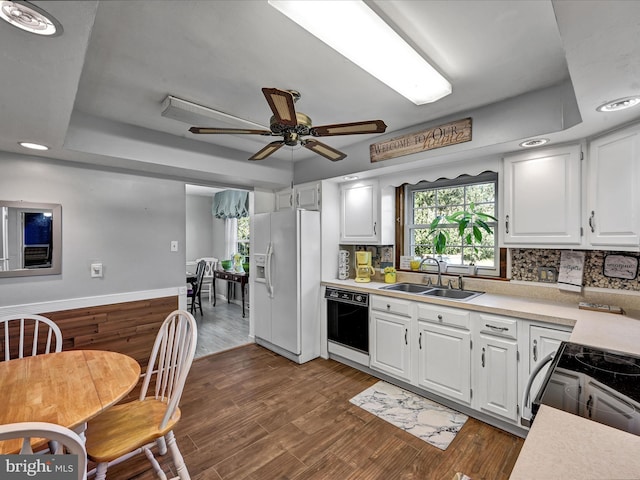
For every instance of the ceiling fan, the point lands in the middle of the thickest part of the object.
(294, 126)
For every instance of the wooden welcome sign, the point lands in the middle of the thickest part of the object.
(436, 137)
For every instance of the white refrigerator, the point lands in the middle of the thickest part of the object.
(286, 299)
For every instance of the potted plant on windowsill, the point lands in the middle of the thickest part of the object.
(471, 224)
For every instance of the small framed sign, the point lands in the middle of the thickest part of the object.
(620, 266)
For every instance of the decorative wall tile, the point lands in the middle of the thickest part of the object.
(525, 263)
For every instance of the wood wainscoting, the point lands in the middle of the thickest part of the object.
(129, 327)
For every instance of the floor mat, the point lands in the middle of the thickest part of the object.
(427, 420)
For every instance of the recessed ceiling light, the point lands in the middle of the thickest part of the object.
(33, 146)
(29, 18)
(354, 30)
(534, 142)
(620, 104)
(350, 177)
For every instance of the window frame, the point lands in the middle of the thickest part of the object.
(404, 206)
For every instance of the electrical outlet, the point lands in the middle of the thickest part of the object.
(96, 270)
(547, 274)
(174, 245)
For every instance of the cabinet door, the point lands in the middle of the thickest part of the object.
(445, 361)
(497, 375)
(389, 344)
(542, 342)
(542, 197)
(613, 202)
(308, 196)
(359, 213)
(284, 199)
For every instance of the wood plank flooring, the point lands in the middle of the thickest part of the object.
(220, 327)
(248, 413)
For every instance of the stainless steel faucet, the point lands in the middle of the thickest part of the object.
(437, 263)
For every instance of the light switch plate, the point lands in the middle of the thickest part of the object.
(96, 270)
(174, 245)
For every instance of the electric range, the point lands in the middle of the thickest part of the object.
(597, 384)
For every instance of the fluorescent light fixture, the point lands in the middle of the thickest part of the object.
(33, 146)
(28, 17)
(534, 142)
(197, 115)
(620, 104)
(355, 31)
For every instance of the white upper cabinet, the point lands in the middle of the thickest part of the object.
(367, 213)
(305, 196)
(542, 197)
(613, 182)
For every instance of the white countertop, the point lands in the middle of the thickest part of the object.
(560, 445)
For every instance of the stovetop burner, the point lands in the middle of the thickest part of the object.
(609, 362)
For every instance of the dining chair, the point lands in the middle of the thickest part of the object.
(29, 335)
(194, 291)
(211, 264)
(128, 429)
(67, 441)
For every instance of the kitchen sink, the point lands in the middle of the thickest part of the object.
(451, 293)
(407, 287)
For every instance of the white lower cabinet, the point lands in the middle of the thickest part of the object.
(469, 357)
(390, 332)
(496, 365)
(543, 340)
(444, 352)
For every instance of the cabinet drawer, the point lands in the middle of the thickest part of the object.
(444, 316)
(501, 326)
(391, 305)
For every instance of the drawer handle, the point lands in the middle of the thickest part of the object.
(501, 329)
(406, 342)
(535, 350)
(439, 317)
(482, 357)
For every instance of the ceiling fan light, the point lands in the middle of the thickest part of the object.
(355, 31)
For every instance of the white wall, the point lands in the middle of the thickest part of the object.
(124, 221)
(199, 227)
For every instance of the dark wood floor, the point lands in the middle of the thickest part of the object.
(248, 413)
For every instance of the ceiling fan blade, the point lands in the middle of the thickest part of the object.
(324, 150)
(369, 126)
(281, 104)
(236, 131)
(268, 150)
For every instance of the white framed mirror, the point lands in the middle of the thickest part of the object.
(30, 239)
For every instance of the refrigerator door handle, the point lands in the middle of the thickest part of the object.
(268, 270)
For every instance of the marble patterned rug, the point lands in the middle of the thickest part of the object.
(427, 420)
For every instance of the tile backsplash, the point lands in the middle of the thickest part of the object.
(525, 265)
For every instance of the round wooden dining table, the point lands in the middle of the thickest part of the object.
(67, 388)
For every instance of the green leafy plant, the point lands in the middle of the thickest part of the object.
(470, 223)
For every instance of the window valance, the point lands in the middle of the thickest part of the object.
(230, 204)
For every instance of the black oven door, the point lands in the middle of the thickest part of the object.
(348, 325)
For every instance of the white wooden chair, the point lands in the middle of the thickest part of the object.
(129, 429)
(67, 441)
(36, 335)
(211, 264)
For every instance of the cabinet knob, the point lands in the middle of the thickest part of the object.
(439, 317)
(388, 307)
